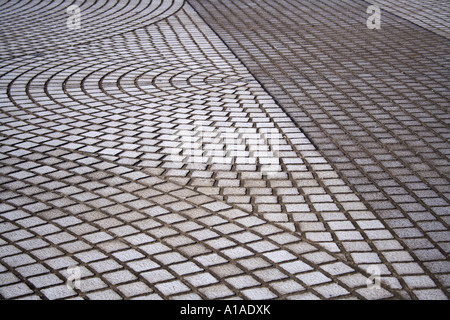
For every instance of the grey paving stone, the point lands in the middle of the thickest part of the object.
(128, 255)
(18, 260)
(170, 258)
(259, 294)
(58, 292)
(120, 277)
(279, 256)
(134, 289)
(416, 282)
(241, 282)
(313, 278)
(8, 250)
(104, 295)
(287, 287)
(331, 290)
(202, 279)
(386, 175)
(371, 294)
(214, 292)
(431, 294)
(8, 278)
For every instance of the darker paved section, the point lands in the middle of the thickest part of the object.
(375, 102)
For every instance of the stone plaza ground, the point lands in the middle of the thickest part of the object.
(224, 149)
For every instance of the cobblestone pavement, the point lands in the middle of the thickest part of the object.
(374, 102)
(141, 157)
(432, 14)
